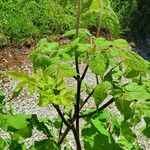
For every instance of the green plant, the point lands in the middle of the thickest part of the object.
(121, 77)
(99, 13)
(22, 20)
(126, 11)
(121, 73)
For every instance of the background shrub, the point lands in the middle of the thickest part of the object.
(21, 20)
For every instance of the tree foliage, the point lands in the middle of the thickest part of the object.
(112, 61)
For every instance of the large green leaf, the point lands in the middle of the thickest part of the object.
(100, 127)
(136, 62)
(67, 70)
(99, 63)
(16, 123)
(126, 131)
(135, 92)
(102, 43)
(101, 92)
(121, 44)
(84, 48)
(93, 140)
(124, 107)
(46, 145)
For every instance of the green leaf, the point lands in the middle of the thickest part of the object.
(84, 48)
(50, 47)
(131, 73)
(40, 125)
(101, 92)
(136, 62)
(67, 70)
(116, 125)
(121, 44)
(146, 132)
(46, 145)
(82, 33)
(57, 123)
(135, 92)
(132, 87)
(15, 145)
(2, 97)
(3, 144)
(124, 107)
(91, 138)
(67, 148)
(102, 43)
(99, 63)
(73, 46)
(16, 123)
(19, 76)
(100, 127)
(126, 131)
(18, 89)
(58, 97)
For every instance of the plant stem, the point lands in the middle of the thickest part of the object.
(77, 138)
(85, 70)
(99, 109)
(64, 135)
(77, 109)
(78, 16)
(61, 115)
(77, 66)
(97, 80)
(85, 101)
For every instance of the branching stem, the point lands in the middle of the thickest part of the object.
(99, 109)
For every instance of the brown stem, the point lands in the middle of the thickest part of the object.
(99, 109)
(97, 80)
(77, 138)
(64, 135)
(61, 115)
(85, 101)
(77, 65)
(77, 107)
(84, 73)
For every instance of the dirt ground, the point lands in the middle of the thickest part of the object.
(14, 58)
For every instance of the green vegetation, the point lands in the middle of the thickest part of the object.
(23, 20)
(114, 64)
(121, 78)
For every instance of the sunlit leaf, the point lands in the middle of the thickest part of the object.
(99, 63)
(101, 92)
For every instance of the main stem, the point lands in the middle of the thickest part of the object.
(78, 16)
(76, 130)
(77, 110)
